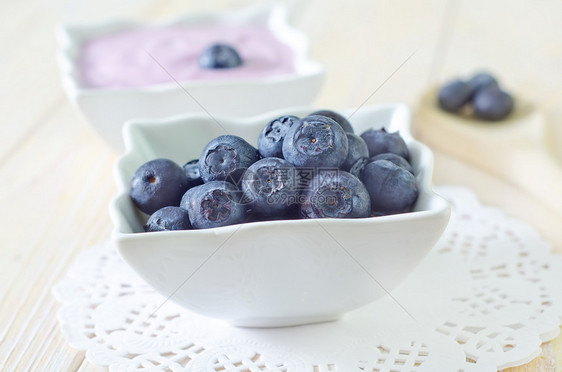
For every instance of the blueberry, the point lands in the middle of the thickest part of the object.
(358, 167)
(168, 219)
(396, 159)
(454, 95)
(214, 204)
(357, 154)
(270, 187)
(270, 141)
(226, 158)
(186, 198)
(191, 169)
(156, 184)
(220, 56)
(381, 141)
(492, 103)
(392, 188)
(341, 195)
(315, 141)
(482, 80)
(337, 118)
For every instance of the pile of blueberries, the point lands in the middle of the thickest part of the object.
(480, 96)
(311, 167)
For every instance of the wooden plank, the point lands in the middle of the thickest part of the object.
(544, 363)
(89, 367)
(31, 77)
(361, 46)
(557, 352)
(64, 196)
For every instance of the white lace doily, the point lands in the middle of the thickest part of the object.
(484, 299)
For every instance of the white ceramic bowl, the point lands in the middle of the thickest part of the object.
(274, 273)
(108, 109)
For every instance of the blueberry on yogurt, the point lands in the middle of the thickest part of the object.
(218, 56)
(156, 184)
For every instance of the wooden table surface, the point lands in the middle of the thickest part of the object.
(56, 173)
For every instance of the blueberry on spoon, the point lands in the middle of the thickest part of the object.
(454, 95)
(482, 80)
(492, 103)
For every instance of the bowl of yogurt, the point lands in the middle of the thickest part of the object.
(120, 70)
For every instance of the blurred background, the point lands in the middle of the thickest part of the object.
(57, 173)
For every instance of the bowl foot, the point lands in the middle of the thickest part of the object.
(274, 322)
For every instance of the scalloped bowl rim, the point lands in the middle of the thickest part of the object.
(123, 184)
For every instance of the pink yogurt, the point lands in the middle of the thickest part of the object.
(142, 57)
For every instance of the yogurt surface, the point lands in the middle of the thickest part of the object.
(150, 56)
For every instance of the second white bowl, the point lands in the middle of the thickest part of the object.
(108, 109)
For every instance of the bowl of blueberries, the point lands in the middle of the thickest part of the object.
(240, 62)
(290, 217)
